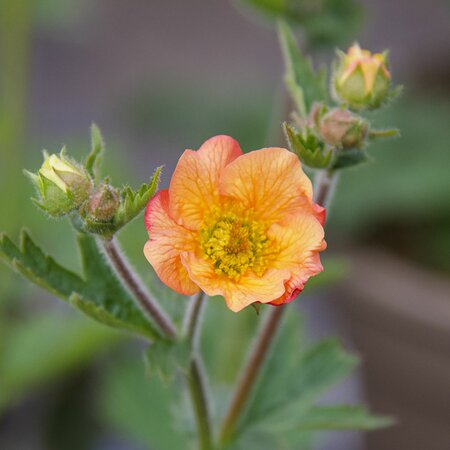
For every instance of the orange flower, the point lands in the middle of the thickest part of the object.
(240, 226)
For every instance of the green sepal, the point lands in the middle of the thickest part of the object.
(133, 202)
(94, 159)
(165, 358)
(303, 83)
(310, 149)
(350, 158)
(97, 292)
(384, 133)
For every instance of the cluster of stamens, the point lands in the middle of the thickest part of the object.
(234, 243)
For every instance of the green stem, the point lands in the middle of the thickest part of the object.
(198, 393)
(250, 372)
(325, 182)
(134, 285)
(193, 317)
(264, 339)
(196, 379)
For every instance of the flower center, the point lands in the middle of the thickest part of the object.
(235, 244)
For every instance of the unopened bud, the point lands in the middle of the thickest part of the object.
(343, 129)
(62, 185)
(103, 204)
(361, 79)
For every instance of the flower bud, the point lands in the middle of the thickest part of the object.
(61, 184)
(361, 79)
(103, 204)
(342, 129)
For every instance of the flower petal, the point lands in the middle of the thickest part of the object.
(167, 240)
(195, 183)
(238, 294)
(300, 239)
(269, 181)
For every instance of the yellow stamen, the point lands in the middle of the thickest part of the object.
(235, 243)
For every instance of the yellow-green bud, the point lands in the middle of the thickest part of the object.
(62, 185)
(361, 79)
(342, 129)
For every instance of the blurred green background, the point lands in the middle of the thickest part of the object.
(158, 77)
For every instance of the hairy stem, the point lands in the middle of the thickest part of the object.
(134, 285)
(264, 339)
(324, 185)
(250, 372)
(193, 316)
(198, 393)
(196, 377)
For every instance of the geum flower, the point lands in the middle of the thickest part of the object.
(242, 226)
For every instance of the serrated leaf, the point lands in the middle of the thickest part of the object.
(165, 358)
(94, 158)
(293, 378)
(38, 267)
(304, 85)
(341, 417)
(102, 315)
(133, 202)
(97, 292)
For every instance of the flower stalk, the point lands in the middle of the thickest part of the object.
(129, 279)
(250, 372)
(198, 393)
(195, 378)
(323, 192)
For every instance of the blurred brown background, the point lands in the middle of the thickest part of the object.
(158, 77)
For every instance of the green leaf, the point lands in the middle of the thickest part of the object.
(304, 85)
(341, 417)
(41, 269)
(45, 347)
(94, 158)
(133, 202)
(324, 23)
(98, 293)
(165, 358)
(292, 379)
(138, 406)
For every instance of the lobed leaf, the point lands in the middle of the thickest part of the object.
(304, 85)
(291, 382)
(341, 417)
(97, 293)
